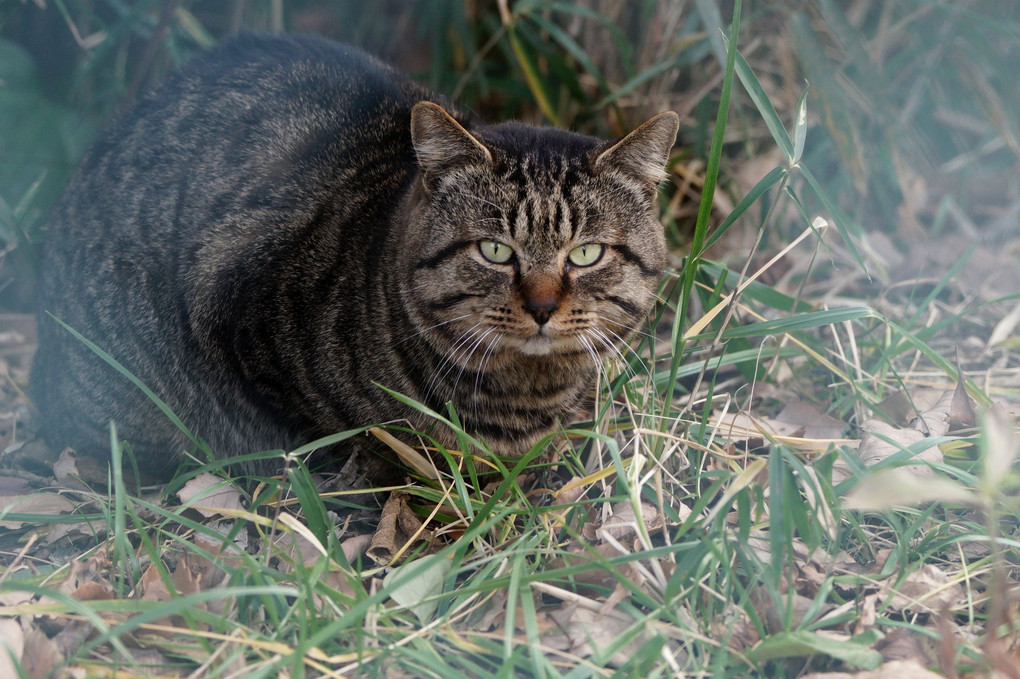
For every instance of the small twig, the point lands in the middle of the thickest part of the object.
(144, 65)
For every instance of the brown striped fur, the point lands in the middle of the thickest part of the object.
(284, 223)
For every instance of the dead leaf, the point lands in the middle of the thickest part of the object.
(754, 430)
(494, 613)
(905, 644)
(624, 522)
(65, 470)
(83, 576)
(775, 619)
(813, 422)
(1005, 328)
(577, 555)
(414, 584)
(40, 656)
(961, 410)
(935, 420)
(926, 589)
(585, 632)
(209, 572)
(900, 488)
(46, 504)
(882, 440)
(12, 646)
(1001, 445)
(897, 669)
(408, 455)
(901, 406)
(400, 532)
(572, 491)
(152, 586)
(207, 494)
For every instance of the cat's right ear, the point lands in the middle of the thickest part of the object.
(442, 144)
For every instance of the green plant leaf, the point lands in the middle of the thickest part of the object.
(800, 128)
(799, 644)
(802, 322)
(764, 105)
(775, 176)
(424, 580)
(151, 395)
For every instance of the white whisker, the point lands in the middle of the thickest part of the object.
(467, 358)
(450, 360)
(486, 355)
(433, 327)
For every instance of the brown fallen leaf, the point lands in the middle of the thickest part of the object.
(400, 532)
(42, 503)
(624, 523)
(897, 669)
(926, 589)
(41, 654)
(408, 455)
(65, 470)
(753, 430)
(207, 494)
(813, 422)
(907, 645)
(935, 420)
(882, 440)
(900, 488)
(577, 555)
(584, 632)
(776, 619)
(961, 409)
(88, 580)
(355, 546)
(12, 646)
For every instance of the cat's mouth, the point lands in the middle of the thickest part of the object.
(542, 344)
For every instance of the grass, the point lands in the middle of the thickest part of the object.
(664, 540)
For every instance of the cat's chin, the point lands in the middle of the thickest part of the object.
(544, 345)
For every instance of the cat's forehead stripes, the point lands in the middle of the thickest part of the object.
(545, 205)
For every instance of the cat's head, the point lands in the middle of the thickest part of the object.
(534, 241)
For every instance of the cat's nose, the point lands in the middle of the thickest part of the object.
(541, 298)
(541, 311)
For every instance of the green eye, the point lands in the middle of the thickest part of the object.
(585, 255)
(495, 252)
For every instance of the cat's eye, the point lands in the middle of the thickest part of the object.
(495, 252)
(585, 255)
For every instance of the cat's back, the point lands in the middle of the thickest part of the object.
(256, 108)
(181, 209)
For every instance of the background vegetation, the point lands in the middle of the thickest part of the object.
(897, 121)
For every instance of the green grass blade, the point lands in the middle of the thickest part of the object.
(837, 217)
(803, 321)
(151, 395)
(764, 105)
(704, 211)
(311, 502)
(534, 80)
(800, 128)
(775, 176)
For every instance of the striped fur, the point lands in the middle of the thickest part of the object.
(284, 223)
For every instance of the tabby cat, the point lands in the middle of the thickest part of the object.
(287, 222)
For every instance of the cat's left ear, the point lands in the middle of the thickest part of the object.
(643, 153)
(441, 143)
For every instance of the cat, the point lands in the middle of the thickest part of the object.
(287, 223)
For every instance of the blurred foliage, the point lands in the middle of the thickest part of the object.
(914, 113)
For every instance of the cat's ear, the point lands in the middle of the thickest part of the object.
(643, 153)
(441, 143)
